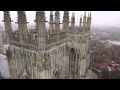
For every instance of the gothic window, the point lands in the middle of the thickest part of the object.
(72, 60)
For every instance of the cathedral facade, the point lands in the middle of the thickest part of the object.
(52, 53)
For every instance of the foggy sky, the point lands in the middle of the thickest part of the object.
(104, 18)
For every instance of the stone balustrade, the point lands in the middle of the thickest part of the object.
(31, 40)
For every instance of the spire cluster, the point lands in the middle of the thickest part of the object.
(40, 36)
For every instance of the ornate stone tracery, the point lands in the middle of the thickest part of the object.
(48, 53)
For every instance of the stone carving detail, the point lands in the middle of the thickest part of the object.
(9, 54)
(83, 40)
(41, 51)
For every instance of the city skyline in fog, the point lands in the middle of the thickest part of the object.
(99, 18)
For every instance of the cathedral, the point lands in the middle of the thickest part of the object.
(52, 53)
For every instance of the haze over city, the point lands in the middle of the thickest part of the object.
(99, 18)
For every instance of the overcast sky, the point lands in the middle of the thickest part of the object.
(111, 18)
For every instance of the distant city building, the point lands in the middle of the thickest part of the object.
(52, 53)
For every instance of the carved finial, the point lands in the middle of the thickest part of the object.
(66, 16)
(51, 12)
(40, 16)
(73, 14)
(7, 16)
(90, 17)
(90, 14)
(51, 15)
(85, 14)
(22, 17)
(57, 16)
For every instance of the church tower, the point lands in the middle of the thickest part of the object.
(57, 54)
(78, 48)
(8, 28)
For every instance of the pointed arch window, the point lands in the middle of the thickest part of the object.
(72, 60)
